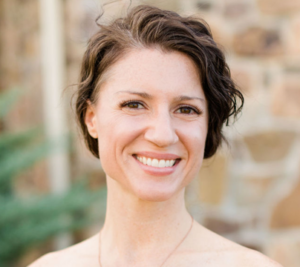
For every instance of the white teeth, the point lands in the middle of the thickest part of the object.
(155, 162)
(162, 163)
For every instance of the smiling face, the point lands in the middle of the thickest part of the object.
(151, 121)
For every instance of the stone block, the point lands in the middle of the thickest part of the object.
(286, 96)
(220, 226)
(243, 79)
(250, 79)
(221, 35)
(204, 5)
(212, 179)
(257, 41)
(235, 9)
(277, 7)
(287, 211)
(252, 190)
(270, 145)
(292, 38)
(167, 4)
(199, 6)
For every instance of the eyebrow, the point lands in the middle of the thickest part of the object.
(142, 94)
(185, 97)
(147, 96)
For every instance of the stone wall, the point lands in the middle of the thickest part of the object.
(250, 191)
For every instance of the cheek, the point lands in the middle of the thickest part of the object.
(198, 146)
(194, 135)
(116, 133)
(196, 143)
(195, 139)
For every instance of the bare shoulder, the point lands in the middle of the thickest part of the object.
(82, 254)
(233, 255)
(219, 251)
(251, 258)
(238, 255)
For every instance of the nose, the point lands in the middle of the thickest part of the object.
(161, 131)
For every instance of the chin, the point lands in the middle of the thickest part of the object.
(154, 195)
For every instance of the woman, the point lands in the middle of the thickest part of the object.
(155, 91)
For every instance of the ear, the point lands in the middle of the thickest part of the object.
(91, 120)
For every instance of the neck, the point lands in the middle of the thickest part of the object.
(136, 230)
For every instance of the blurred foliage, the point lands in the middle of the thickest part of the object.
(26, 222)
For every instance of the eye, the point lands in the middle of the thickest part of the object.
(187, 110)
(132, 104)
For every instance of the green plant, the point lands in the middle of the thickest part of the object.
(25, 222)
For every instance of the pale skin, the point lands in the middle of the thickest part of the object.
(151, 104)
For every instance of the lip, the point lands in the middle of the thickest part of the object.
(155, 155)
(156, 171)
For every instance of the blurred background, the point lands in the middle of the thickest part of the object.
(52, 191)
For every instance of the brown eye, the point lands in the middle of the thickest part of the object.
(133, 105)
(187, 110)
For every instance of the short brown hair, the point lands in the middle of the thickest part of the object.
(147, 26)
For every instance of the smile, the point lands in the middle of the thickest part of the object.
(160, 163)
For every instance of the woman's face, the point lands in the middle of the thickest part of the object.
(151, 121)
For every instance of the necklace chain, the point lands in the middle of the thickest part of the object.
(170, 254)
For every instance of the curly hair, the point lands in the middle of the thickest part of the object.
(145, 27)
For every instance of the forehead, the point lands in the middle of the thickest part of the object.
(153, 70)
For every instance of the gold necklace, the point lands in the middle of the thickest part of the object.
(99, 259)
